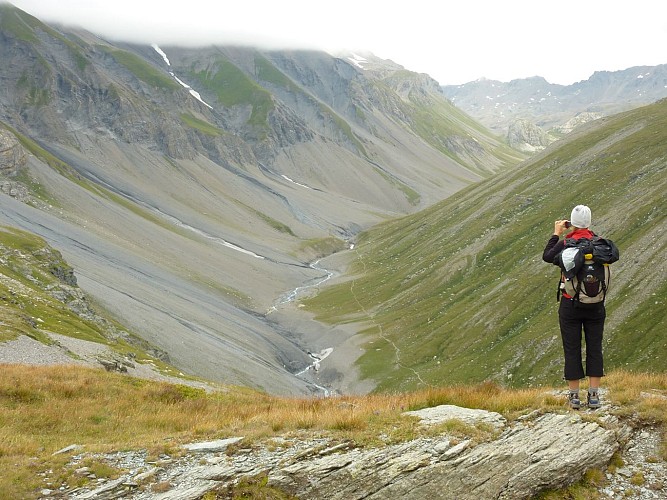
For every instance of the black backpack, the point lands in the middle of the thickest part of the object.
(585, 270)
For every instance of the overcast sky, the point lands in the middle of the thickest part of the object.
(453, 41)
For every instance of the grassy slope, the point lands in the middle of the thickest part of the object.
(436, 119)
(428, 115)
(442, 125)
(27, 269)
(459, 292)
(232, 87)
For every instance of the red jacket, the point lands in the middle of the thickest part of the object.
(577, 234)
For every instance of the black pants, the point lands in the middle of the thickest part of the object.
(573, 318)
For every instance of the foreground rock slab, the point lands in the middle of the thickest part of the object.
(528, 456)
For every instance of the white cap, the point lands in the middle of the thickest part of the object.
(581, 216)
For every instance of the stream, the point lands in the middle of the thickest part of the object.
(283, 299)
(291, 297)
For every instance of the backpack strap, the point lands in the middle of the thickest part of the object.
(607, 281)
(578, 291)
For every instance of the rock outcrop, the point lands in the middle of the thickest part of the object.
(525, 459)
(13, 158)
(577, 121)
(12, 155)
(533, 454)
(526, 136)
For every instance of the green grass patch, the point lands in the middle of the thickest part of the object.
(201, 125)
(320, 247)
(22, 25)
(344, 127)
(411, 195)
(142, 70)
(18, 23)
(233, 87)
(268, 220)
(55, 163)
(30, 268)
(35, 301)
(266, 71)
(229, 293)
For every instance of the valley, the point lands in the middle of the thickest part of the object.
(193, 219)
(241, 210)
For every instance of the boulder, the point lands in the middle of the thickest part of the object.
(442, 413)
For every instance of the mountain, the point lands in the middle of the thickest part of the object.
(553, 108)
(459, 293)
(194, 190)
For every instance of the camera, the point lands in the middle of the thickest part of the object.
(568, 224)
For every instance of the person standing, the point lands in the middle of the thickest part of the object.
(575, 316)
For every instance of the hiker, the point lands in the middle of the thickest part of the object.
(574, 313)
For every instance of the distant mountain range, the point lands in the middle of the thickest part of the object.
(556, 109)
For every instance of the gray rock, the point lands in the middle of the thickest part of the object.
(12, 155)
(525, 459)
(68, 448)
(212, 446)
(442, 413)
(526, 136)
(529, 456)
(112, 365)
(108, 490)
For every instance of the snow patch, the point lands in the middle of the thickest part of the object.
(358, 60)
(218, 240)
(159, 51)
(294, 182)
(193, 92)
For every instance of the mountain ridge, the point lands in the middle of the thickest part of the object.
(498, 105)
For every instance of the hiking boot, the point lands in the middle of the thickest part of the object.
(593, 400)
(574, 401)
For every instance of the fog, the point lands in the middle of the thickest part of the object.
(454, 42)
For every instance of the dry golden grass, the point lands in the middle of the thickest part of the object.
(44, 409)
